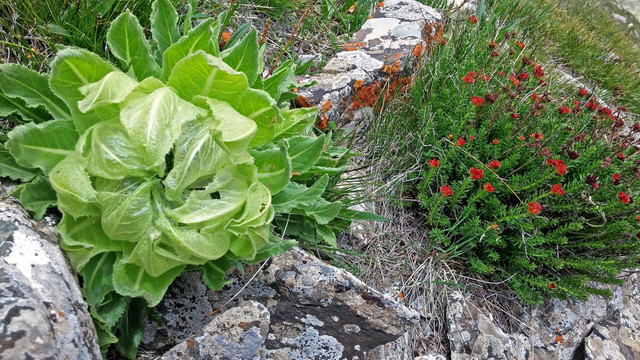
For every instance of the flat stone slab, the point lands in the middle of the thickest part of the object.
(315, 310)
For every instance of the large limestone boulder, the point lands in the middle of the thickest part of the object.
(315, 310)
(41, 307)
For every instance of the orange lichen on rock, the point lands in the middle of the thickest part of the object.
(353, 46)
(358, 84)
(322, 125)
(326, 107)
(366, 96)
(392, 69)
(417, 50)
(302, 101)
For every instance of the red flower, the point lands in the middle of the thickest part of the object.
(521, 137)
(564, 109)
(591, 105)
(472, 137)
(638, 218)
(552, 286)
(557, 189)
(494, 53)
(472, 73)
(514, 116)
(501, 73)
(561, 168)
(472, 19)
(534, 96)
(537, 135)
(514, 81)
(446, 190)
(476, 174)
(491, 97)
(494, 164)
(485, 77)
(492, 45)
(538, 72)
(468, 79)
(488, 187)
(460, 142)
(616, 179)
(583, 92)
(523, 76)
(520, 44)
(477, 100)
(434, 162)
(534, 208)
(592, 180)
(495, 141)
(625, 198)
(621, 156)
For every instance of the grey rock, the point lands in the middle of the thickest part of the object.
(315, 310)
(238, 333)
(619, 18)
(430, 357)
(618, 337)
(42, 310)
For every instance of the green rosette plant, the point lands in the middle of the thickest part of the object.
(180, 157)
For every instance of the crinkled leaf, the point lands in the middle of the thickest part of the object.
(304, 152)
(298, 195)
(11, 106)
(150, 261)
(42, 145)
(127, 213)
(17, 81)
(321, 210)
(296, 121)
(10, 168)
(71, 69)
(111, 153)
(191, 246)
(131, 328)
(196, 156)
(260, 107)
(71, 182)
(217, 203)
(153, 121)
(236, 131)
(246, 246)
(97, 278)
(127, 42)
(83, 238)
(213, 272)
(243, 56)
(280, 80)
(131, 280)
(164, 25)
(274, 166)
(257, 209)
(201, 38)
(208, 76)
(36, 196)
(111, 89)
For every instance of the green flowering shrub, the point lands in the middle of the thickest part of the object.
(179, 157)
(531, 185)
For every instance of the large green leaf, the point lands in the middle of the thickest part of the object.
(144, 256)
(42, 145)
(296, 122)
(127, 213)
(17, 81)
(196, 157)
(153, 121)
(97, 279)
(10, 168)
(280, 80)
(257, 210)
(111, 153)
(83, 238)
(127, 42)
(10, 106)
(260, 107)
(298, 195)
(235, 131)
(321, 210)
(76, 195)
(208, 76)
(111, 89)
(218, 203)
(71, 69)
(131, 280)
(244, 56)
(131, 328)
(213, 272)
(164, 25)
(274, 166)
(203, 37)
(36, 196)
(305, 152)
(190, 245)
